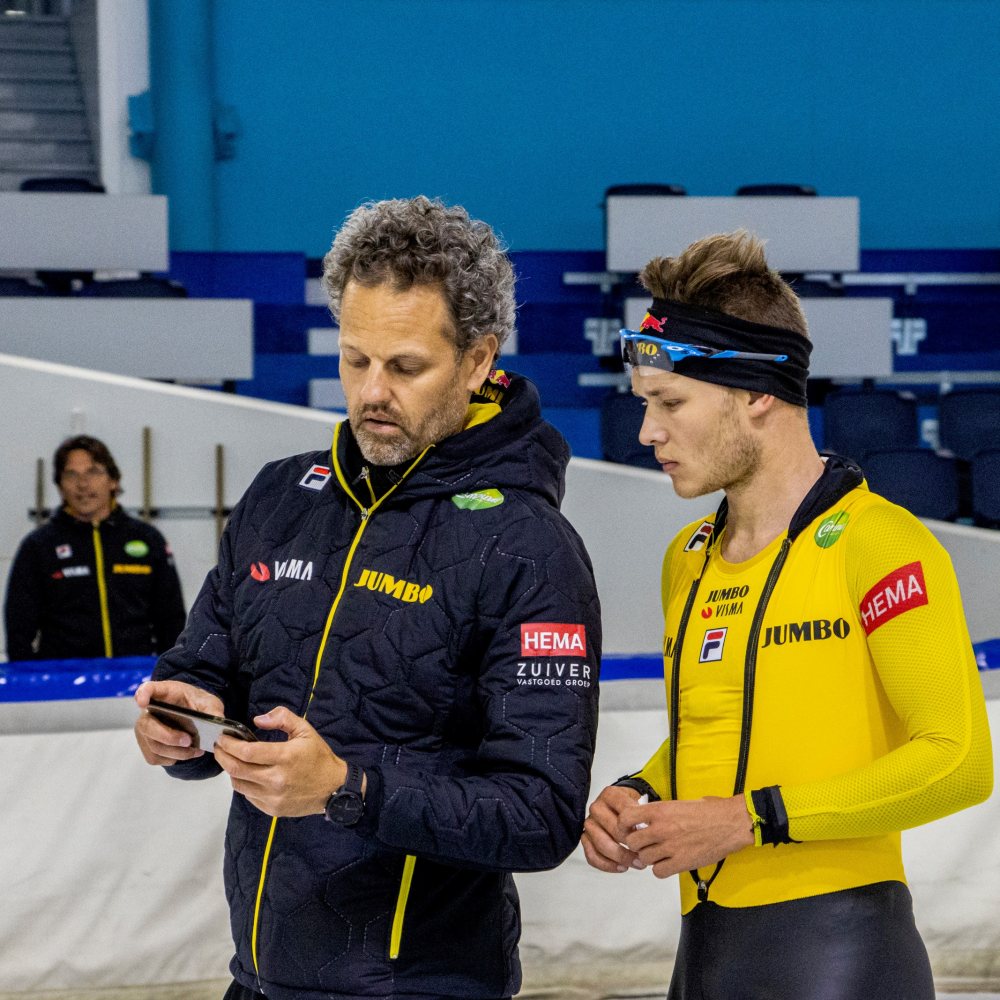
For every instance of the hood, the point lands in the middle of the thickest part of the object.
(839, 477)
(516, 448)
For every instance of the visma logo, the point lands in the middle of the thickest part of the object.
(402, 590)
(284, 569)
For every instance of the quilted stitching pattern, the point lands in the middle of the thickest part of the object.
(480, 773)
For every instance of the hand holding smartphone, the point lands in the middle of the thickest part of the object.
(204, 729)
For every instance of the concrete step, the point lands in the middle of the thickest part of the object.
(34, 63)
(21, 152)
(42, 106)
(19, 89)
(33, 31)
(8, 45)
(49, 123)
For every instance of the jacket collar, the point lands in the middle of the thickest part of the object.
(838, 478)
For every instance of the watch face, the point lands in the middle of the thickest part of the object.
(345, 808)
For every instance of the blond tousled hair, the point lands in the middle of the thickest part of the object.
(727, 272)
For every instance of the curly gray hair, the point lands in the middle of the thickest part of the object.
(419, 241)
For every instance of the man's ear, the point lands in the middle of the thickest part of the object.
(479, 360)
(759, 403)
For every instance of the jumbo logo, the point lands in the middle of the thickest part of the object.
(647, 348)
(402, 590)
(817, 629)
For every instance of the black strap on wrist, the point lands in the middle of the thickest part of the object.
(642, 787)
(770, 807)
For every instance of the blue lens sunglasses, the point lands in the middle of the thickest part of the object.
(640, 350)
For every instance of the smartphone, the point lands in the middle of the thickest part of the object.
(204, 729)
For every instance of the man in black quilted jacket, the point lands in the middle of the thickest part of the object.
(412, 629)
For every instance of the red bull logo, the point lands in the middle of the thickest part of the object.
(652, 323)
(499, 377)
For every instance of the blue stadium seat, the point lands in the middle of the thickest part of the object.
(969, 420)
(857, 421)
(922, 481)
(144, 287)
(776, 191)
(621, 418)
(633, 190)
(984, 471)
(19, 287)
(76, 185)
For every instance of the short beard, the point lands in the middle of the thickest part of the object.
(735, 457)
(738, 455)
(407, 442)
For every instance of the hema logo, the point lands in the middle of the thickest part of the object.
(553, 639)
(900, 591)
(402, 590)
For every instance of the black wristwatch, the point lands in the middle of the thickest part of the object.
(347, 805)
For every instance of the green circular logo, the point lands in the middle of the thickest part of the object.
(479, 500)
(137, 548)
(831, 528)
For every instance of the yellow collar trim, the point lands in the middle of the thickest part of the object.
(480, 413)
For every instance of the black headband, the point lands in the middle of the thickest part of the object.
(691, 324)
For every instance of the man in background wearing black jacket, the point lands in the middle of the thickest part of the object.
(93, 581)
(412, 628)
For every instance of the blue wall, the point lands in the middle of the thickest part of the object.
(525, 110)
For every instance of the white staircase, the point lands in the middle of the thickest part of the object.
(43, 124)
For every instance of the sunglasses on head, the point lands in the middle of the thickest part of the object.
(641, 350)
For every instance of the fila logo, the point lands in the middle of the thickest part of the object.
(316, 478)
(402, 590)
(553, 639)
(64, 551)
(902, 590)
(712, 644)
(700, 538)
(284, 569)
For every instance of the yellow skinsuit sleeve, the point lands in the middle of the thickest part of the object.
(656, 771)
(924, 660)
